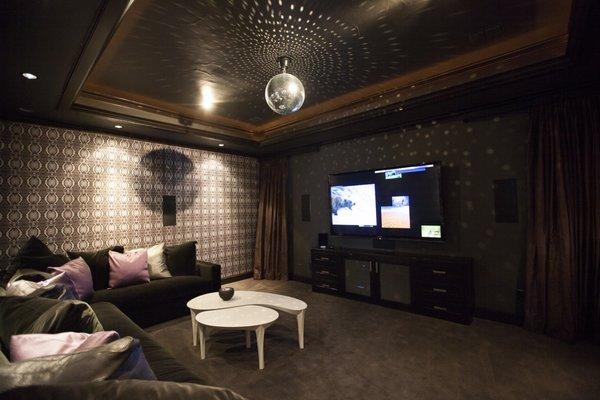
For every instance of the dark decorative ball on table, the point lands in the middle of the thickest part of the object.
(226, 293)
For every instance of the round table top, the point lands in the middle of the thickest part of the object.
(238, 317)
(212, 301)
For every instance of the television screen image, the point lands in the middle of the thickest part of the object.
(353, 205)
(396, 216)
(431, 231)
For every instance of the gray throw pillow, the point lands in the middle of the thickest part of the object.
(124, 390)
(121, 359)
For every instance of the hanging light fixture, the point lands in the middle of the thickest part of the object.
(284, 92)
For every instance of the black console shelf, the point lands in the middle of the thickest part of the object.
(430, 284)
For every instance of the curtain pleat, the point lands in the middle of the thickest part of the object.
(562, 276)
(271, 248)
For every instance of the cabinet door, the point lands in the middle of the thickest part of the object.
(357, 274)
(394, 283)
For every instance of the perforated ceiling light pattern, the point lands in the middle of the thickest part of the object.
(169, 50)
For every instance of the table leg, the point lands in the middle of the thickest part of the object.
(194, 328)
(247, 339)
(260, 343)
(202, 334)
(300, 319)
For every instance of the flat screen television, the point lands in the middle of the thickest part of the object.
(398, 202)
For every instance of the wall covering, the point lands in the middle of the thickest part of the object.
(84, 190)
(472, 155)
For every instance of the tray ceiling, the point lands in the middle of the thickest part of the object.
(165, 53)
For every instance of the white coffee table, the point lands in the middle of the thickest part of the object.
(212, 301)
(245, 318)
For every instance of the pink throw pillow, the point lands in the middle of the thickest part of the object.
(127, 269)
(25, 347)
(80, 275)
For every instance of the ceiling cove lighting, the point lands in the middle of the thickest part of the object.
(29, 75)
(284, 92)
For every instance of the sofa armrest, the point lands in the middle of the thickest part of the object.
(209, 270)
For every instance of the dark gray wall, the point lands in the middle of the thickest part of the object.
(473, 155)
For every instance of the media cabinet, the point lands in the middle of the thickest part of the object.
(434, 285)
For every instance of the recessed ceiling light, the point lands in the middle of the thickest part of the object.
(221, 144)
(208, 97)
(29, 75)
(119, 126)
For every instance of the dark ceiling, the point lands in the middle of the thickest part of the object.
(367, 66)
(164, 52)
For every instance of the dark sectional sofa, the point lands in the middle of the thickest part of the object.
(129, 309)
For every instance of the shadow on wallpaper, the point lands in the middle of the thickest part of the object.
(166, 168)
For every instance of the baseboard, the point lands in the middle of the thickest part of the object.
(236, 278)
(498, 316)
(303, 279)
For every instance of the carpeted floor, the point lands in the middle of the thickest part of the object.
(360, 351)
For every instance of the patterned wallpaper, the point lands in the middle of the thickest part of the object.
(84, 190)
(473, 155)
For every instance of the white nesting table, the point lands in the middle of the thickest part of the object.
(246, 318)
(212, 301)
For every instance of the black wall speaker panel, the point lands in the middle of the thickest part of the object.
(323, 240)
(506, 201)
(305, 200)
(169, 211)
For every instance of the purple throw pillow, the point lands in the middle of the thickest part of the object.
(127, 269)
(25, 347)
(80, 275)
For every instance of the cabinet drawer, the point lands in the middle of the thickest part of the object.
(324, 259)
(444, 275)
(325, 271)
(450, 293)
(441, 308)
(328, 287)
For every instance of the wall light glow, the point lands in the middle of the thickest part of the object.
(208, 97)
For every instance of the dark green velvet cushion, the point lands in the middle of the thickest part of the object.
(34, 254)
(20, 315)
(164, 365)
(124, 390)
(181, 258)
(98, 263)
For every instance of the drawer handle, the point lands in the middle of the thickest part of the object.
(438, 272)
(440, 308)
(438, 290)
(326, 286)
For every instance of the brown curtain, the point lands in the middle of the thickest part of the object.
(271, 249)
(562, 274)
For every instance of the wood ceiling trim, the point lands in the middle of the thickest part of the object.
(126, 110)
(143, 102)
(527, 45)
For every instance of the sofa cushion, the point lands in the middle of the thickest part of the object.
(146, 298)
(181, 258)
(19, 315)
(98, 263)
(80, 275)
(35, 254)
(165, 367)
(121, 359)
(157, 262)
(128, 269)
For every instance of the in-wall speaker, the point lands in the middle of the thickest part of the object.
(169, 207)
(506, 201)
(323, 240)
(305, 206)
